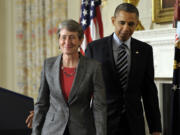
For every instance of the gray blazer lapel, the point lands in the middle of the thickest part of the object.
(80, 73)
(57, 79)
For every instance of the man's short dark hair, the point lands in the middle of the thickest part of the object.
(126, 7)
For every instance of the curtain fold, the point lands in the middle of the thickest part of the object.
(37, 22)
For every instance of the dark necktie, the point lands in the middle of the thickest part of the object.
(122, 72)
(122, 65)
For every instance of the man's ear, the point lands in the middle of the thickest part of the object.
(113, 20)
(137, 23)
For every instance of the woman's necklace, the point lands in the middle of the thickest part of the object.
(69, 74)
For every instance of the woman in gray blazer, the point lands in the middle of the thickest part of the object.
(71, 98)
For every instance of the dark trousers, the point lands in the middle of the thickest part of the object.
(124, 128)
(119, 127)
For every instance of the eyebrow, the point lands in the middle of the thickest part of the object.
(131, 22)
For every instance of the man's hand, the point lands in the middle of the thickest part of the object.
(29, 119)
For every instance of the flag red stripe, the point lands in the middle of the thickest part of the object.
(87, 34)
(91, 21)
(99, 20)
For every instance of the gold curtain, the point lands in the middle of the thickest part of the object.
(37, 22)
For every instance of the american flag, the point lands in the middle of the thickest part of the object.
(91, 21)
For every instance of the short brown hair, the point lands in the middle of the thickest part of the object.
(71, 25)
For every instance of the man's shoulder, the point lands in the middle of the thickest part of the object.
(101, 41)
(140, 43)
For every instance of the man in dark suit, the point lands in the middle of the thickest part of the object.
(125, 92)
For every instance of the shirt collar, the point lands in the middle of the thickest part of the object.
(117, 42)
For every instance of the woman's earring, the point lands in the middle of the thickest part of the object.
(79, 48)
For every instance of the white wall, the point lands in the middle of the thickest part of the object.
(73, 9)
(7, 44)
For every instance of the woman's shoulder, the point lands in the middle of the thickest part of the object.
(91, 62)
(51, 60)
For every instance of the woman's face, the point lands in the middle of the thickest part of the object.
(69, 42)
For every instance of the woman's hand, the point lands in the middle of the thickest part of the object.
(30, 119)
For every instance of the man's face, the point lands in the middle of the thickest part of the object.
(125, 24)
(69, 42)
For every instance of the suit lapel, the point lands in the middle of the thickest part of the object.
(79, 76)
(57, 79)
(110, 54)
(135, 58)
